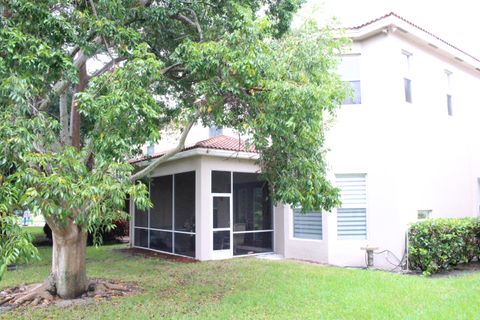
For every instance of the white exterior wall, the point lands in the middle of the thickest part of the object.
(415, 156)
(303, 249)
(209, 164)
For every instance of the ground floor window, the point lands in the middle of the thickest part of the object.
(352, 216)
(307, 225)
(169, 226)
(242, 213)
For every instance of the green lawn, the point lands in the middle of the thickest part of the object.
(250, 288)
(38, 234)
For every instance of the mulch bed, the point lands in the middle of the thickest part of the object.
(157, 255)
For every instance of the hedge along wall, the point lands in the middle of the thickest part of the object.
(440, 244)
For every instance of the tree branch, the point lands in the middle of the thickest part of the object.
(181, 144)
(74, 113)
(167, 69)
(107, 67)
(51, 223)
(192, 23)
(107, 46)
(62, 85)
(197, 24)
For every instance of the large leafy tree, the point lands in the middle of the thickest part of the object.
(85, 83)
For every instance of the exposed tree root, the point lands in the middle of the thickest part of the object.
(33, 294)
(44, 293)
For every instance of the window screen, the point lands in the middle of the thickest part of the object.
(221, 181)
(171, 227)
(251, 203)
(185, 244)
(161, 240)
(221, 240)
(253, 242)
(141, 238)
(161, 194)
(185, 201)
(221, 212)
(141, 218)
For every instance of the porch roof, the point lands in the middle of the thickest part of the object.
(221, 142)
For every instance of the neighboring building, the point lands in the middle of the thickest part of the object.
(403, 147)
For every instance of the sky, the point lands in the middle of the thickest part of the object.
(456, 21)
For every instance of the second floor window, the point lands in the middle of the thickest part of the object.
(349, 69)
(214, 131)
(407, 76)
(449, 92)
(150, 149)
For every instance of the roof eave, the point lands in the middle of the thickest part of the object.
(206, 152)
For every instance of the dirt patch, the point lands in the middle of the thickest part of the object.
(154, 254)
(33, 295)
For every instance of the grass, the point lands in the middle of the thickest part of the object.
(250, 288)
(38, 234)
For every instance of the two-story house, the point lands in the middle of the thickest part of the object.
(404, 147)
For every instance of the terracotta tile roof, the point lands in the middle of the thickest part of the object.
(393, 14)
(221, 142)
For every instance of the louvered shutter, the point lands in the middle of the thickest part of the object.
(307, 225)
(352, 216)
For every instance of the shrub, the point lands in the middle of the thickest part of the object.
(15, 243)
(121, 230)
(440, 244)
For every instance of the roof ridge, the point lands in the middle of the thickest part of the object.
(394, 14)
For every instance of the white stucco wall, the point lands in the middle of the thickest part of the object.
(208, 164)
(415, 155)
(303, 249)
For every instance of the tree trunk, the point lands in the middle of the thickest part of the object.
(68, 262)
